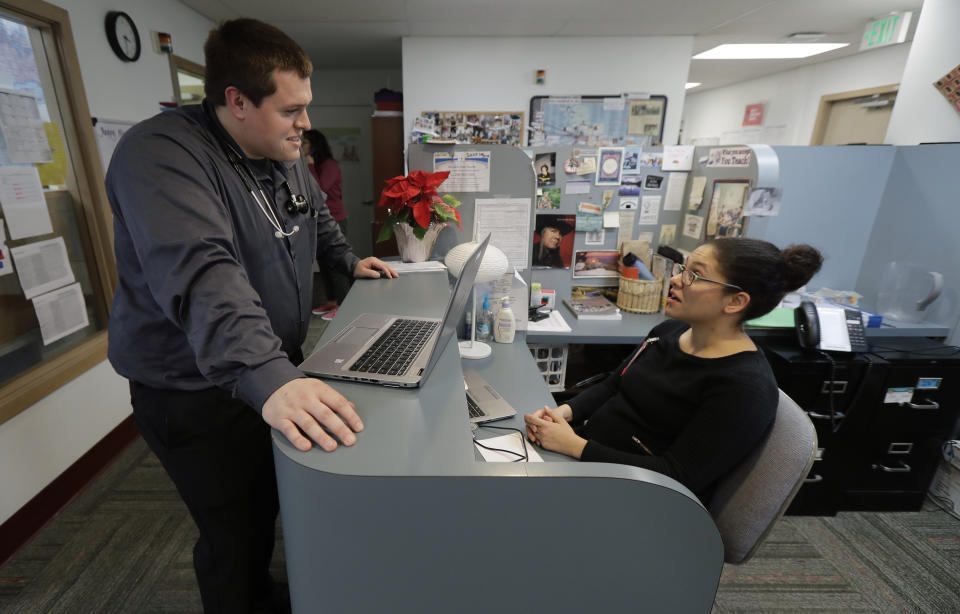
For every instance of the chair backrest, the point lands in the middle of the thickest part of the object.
(751, 498)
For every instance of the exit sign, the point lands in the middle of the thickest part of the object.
(888, 30)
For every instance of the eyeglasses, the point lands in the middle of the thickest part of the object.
(688, 277)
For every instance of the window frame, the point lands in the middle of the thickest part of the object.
(42, 379)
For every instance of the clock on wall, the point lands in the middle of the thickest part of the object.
(123, 36)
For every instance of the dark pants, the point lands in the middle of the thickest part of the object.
(217, 451)
(335, 284)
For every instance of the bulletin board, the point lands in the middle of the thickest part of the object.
(478, 127)
(592, 121)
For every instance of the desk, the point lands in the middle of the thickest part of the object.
(408, 520)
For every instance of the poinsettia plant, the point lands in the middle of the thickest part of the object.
(414, 199)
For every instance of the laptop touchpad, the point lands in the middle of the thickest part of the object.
(358, 335)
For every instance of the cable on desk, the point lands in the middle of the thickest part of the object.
(525, 457)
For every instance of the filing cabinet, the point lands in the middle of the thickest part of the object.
(881, 429)
(832, 394)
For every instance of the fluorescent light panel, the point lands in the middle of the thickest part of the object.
(690, 86)
(767, 51)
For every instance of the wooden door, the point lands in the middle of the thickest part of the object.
(854, 118)
(387, 134)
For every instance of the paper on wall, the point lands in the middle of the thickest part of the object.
(577, 187)
(625, 227)
(469, 170)
(23, 128)
(507, 220)
(677, 158)
(43, 266)
(24, 205)
(649, 210)
(696, 192)
(676, 182)
(60, 313)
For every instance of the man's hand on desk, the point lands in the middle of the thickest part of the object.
(307, 403)
(550, 429)
(374, 268)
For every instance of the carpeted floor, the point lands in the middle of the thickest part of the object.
(124, 545)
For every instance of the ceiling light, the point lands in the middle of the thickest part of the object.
(767, 51)
(689, 86)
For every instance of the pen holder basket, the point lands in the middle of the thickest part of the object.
(640, 295)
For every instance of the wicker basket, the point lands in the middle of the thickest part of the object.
(640, 295)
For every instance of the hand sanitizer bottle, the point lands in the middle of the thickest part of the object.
(506, 326)
(484, 321)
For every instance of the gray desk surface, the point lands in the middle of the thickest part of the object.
(425, 431)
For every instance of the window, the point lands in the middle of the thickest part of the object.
(56, 222)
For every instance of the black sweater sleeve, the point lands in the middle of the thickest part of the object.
(734, 416)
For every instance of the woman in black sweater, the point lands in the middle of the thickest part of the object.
(697, 396)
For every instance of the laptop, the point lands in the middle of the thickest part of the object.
(393, 350)
(484, 403)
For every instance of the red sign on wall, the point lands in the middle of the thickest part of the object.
(753, 115)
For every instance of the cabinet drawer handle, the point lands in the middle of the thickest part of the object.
(813, 479)
(904, 469)
(928, 405)
(819, 416)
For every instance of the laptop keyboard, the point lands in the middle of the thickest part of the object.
(393, 352)
(474, 409)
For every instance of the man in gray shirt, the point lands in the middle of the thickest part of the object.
(217, 222)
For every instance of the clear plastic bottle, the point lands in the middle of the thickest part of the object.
(506, 325)
(485, 321)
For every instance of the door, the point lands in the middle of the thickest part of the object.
(387, 136)
(854, 118)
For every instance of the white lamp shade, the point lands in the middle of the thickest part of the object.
(493, 265)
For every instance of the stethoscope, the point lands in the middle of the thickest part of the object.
(298, 203)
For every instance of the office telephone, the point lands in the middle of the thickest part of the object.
(829, 327)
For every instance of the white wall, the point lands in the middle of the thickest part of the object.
(131, 91)
(921, 113)
(42, 441)
(792, 98)
(344, 98)
(497, 74)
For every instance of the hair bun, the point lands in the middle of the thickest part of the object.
(800, 263)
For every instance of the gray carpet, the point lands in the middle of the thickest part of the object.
(125, 543)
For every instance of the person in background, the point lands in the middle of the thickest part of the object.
(216, 227)
(326, 172)
(697, 396)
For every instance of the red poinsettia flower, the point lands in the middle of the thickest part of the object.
(418, 193)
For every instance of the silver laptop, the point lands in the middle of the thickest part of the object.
(393, 350)
(484, 403)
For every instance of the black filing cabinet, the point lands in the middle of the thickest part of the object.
(897, 447)
(832, 392)
(880, 431)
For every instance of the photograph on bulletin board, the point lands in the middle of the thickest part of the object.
(479, 127)
(546, 167)
(725, 218)
(548, 198)
(596, 264)
(553, 237)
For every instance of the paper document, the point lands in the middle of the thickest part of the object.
(23, 128)
(60, 313)
(417, 267)
(42, 266)
(554, 324)
(24, 205)
(469, 170)
(507, 220)
(508, 442)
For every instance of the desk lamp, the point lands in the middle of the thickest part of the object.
(493, 265)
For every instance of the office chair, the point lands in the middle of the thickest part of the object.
(751, 498)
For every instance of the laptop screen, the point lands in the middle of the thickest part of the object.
(457, 303)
